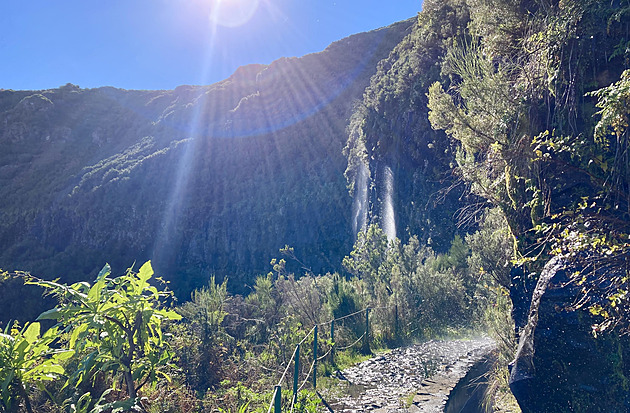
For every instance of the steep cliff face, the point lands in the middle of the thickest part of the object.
(400, 169)
(202, 179)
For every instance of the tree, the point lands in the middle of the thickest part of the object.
(611, 135)
(491, 249)
(484, 113)
(116, 325)
(529, 143)
(370, 252)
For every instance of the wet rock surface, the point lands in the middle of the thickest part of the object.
(560, 366)
(412, 379)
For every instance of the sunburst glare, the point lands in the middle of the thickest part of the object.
(232, 13)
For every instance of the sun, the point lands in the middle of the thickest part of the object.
(232, 13)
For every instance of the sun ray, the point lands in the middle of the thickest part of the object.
(175, 204)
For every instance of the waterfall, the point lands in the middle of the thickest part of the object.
(360, 203)
(388, 220)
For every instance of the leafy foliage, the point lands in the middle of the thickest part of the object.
(27, 358)
(431, 292)
(116, 325)
(202, 342)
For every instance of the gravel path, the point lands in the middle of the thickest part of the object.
(412, 379)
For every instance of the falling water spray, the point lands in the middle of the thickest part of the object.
(360, 203)
(388, 219)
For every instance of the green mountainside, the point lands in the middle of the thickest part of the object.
(390, 129)
(203, 179)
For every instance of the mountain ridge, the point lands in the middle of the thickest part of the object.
(202, 179)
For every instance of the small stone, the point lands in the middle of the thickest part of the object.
(414, 409)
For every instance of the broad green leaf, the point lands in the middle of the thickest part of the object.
(52, 314)
(96, 290)
(63, 355)
(32, 333)
(75, 334)
(20, 350)
(105, 271)
(54, 369)
(94, 295)
(43, 373)
(170, 314)
(146, 272)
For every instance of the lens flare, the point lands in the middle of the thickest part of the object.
(232, 13)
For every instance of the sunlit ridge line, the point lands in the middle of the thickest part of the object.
(345, 81)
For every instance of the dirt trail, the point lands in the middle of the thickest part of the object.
(412, 379)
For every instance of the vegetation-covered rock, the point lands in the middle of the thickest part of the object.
(533, 96)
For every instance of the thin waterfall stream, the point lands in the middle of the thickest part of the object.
(388, 218)
(360, 205)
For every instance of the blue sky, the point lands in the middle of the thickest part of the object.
(161, 44)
